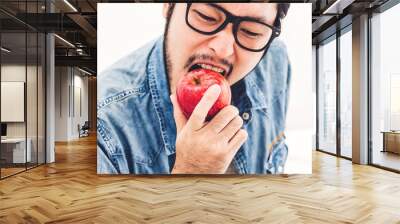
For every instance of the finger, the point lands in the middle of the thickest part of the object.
(232, 128)
(200, 112)
(238, 139)
(222, 119)
(180, 119)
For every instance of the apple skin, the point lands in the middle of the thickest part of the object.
(192, 86)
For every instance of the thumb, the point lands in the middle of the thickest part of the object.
(180, 119)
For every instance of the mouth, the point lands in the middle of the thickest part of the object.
(214, 68)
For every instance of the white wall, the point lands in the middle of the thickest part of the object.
(33, 126)
(69, 79)
(16, 72)
(80, 83)
(12, 73)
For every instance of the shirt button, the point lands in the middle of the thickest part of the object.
(245, 116)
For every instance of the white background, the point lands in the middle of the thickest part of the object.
(122, 28)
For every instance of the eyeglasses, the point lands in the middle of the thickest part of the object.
(249, 33)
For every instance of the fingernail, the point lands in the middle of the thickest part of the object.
(215, 89)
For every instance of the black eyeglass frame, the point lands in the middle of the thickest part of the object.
(236, 20)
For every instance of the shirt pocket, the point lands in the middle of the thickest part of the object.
(134, 130)
(131, 152)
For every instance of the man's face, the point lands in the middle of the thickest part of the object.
(186, 47)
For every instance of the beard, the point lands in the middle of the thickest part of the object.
(167, 59)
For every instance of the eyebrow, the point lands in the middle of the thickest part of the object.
(257, 18)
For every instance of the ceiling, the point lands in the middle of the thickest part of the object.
(77, 25)
(76, 22)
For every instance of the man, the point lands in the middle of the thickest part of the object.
(141, 128)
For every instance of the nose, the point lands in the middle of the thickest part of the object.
(222, 43)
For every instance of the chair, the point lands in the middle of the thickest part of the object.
(84, 130)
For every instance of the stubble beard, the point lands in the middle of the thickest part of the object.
(167, 61)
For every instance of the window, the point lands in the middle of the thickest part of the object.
(327, 97)
(385, 89)
(346, 94)
(22, 76)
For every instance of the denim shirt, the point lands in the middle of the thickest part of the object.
(136, 128)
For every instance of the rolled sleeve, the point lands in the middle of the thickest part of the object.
(277, 159)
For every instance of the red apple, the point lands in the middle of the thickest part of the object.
(192, 86)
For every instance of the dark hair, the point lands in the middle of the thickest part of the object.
(282, 10)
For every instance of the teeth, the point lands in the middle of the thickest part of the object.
(210, 67)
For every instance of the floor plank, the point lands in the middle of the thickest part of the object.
(70, 191)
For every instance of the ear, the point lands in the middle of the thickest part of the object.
(165, 9)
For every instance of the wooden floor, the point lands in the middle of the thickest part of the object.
(70, 191)
(10, 171)
(388, 159)
(5, 172)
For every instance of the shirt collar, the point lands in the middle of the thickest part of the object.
(253, 99)
(159, 90)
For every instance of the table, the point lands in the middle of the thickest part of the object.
(13, 150)
(391, 141)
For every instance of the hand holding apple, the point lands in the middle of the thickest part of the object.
(207, 147)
